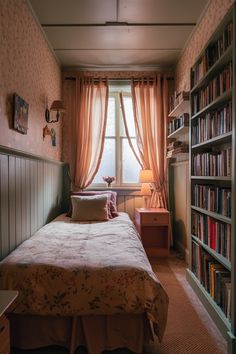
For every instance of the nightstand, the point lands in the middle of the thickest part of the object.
(153, 227)
(6, 299)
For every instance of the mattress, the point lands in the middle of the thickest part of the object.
(72, 269)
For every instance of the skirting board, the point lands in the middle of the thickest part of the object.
(182, 250)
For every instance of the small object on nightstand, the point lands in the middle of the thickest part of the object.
(153, 227)
(6, 299)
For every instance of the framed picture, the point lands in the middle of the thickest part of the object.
(20, 115)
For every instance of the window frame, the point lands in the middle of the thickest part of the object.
(118, 183)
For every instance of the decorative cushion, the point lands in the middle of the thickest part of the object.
(112, 209)
(89, 208)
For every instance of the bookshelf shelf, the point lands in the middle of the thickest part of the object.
(184, 156)
(216, 103)
(213, 178)
(178, 132)
(220, 139)
(221, 259)
(212, 214)
(182, 107)
(212, 269)
(223, 60)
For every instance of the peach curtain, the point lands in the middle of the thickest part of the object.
(88, 125)
(127, 130)
(150, 106)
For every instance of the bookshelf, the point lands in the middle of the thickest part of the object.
(178, 127)
(212, 266)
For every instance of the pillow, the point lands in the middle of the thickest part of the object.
(89, 208)
(112, 210)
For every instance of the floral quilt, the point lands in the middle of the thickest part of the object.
(68, 268)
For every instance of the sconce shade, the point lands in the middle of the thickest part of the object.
(146, 176)
(145, 190)
(57, 106)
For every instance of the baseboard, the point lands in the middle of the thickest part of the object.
(182, 250)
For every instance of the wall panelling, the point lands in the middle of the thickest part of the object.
(31, 194)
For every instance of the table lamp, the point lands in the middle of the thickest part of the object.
(146, 177)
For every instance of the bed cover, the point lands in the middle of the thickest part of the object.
(70, 269)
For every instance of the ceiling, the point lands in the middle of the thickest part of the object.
(118, 34)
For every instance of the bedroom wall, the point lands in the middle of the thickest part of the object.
(28, 68)
(214, 13)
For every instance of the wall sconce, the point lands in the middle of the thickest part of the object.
(146, 177)
(57, 106)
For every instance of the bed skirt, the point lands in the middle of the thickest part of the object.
(96, 333)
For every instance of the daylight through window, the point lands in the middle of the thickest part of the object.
(118, 158)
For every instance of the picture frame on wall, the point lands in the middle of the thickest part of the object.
(20, 114)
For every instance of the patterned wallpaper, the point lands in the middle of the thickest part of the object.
(28, 68)
(210, 20)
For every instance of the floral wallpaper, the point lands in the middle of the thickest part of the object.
(28, 68)
(214, 13)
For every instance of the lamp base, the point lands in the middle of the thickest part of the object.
(146, 202)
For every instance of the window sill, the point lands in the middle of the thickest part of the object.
(114, 188)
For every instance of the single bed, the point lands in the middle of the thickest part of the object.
(88, 283)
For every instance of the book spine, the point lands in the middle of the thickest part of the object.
(213, 233)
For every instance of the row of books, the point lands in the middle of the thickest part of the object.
(215, 88)
(178, 122)
(215, 234)
(212, 124)
(176, 147)
(214, 277)
(215, 199)
(216, 163)
(212, 53)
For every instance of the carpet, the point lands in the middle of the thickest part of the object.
(189, 328)
(187, 331)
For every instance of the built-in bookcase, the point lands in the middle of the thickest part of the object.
(212, 266)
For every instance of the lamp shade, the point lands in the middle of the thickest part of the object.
(146, 176)
(57, 106)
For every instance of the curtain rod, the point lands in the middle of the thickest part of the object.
(73, 78)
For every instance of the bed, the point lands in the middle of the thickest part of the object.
(86, 283)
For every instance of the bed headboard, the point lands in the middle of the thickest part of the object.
(31, 194)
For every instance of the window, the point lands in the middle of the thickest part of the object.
(118, 158)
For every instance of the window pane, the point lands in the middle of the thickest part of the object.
(131, 167)
(107, 167)
(110, 129)
(129, 117)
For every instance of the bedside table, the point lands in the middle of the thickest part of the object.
(6, 299)
(153, 227)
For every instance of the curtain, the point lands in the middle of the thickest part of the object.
(127, 130)
(150, 107)
(88, 126)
